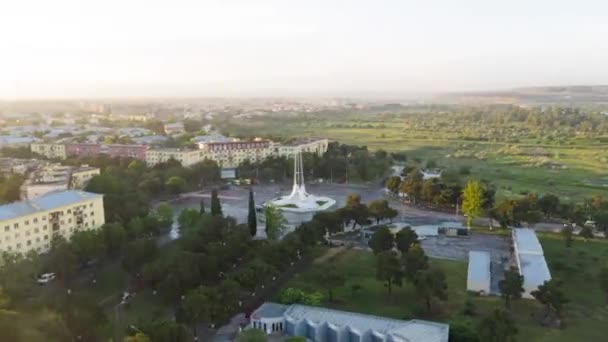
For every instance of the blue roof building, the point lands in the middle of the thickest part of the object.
(328, 325)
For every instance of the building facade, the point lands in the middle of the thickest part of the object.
(51, 151)
(56, 177)
(126, 151)
(232, 154)
(184, 157)
(326, 325)
(82, 150)
(312, 145)
(30, 225)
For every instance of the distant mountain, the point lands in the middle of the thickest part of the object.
(532, 95)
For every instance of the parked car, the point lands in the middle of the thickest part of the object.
(45, 278)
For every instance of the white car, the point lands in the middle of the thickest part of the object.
(45, 278)
(422, 237)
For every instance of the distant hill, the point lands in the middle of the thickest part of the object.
(532, 95)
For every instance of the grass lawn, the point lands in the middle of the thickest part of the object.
(586, 315)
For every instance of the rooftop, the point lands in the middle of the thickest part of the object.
(534, 269)
(479, 266)
(526, 241)
(412, 331)
(46, 202)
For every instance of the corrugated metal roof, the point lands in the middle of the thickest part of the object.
(47, 202)
(526, 241)
(534, 269)
(479, 266)
(413, 331)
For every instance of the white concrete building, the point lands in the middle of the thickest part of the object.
(184, 157)
(232, 154)
(51, 151)
(530, 260)
(174, 128)
(30, 225)
(310, 145)
(479, 276)
(326, 325)
(56, 177)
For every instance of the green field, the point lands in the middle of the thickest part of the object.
(573, 168)
(586, 315)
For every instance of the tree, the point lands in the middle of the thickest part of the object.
(188, 218)
(292, 295)
(252, 335)
(511, 287)
(167, 331)
(497, 327)
(552, 296)
(412, 185)
(601, 221)
(586, 232)
(63, 259)
(548, 204)
(382, 240)
(603, 280)
(379, 210)
(252, 220)
(139, 337)
(567, 232)
(330, 277)
(392, 184)
(216, 206)
(405, 238)
(388, 269)
(431, 283)
(463, 331)
(413, 261)
(164, 213)
(275, 221)
(471, 201)
(175, 185)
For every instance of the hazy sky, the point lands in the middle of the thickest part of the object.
(101, 48)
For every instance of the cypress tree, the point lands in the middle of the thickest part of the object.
(216, 206)
(251, 217)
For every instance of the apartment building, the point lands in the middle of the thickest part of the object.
(51, 151)
(31, 224)
(184, 157)
(232, 154)
(82, 150)
(56, 177)
(308, 145)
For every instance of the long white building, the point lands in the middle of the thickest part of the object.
(326, 325)
(30, 225)
(530, 260)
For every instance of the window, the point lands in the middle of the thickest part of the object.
(46, 237)
(18, 246)
(16, 225)
(27, 222)
(43, 218)
(37, 239)
(29, 242)
(69, 220)
(35, 220)
(36, 231)
(7, 228)
(44, 227)
(91, 205)
(27, 233)
(69, 211)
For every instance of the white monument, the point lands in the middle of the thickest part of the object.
(300, 201)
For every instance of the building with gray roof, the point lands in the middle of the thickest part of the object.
(328, 325)
(479, 276)
(530, 260)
